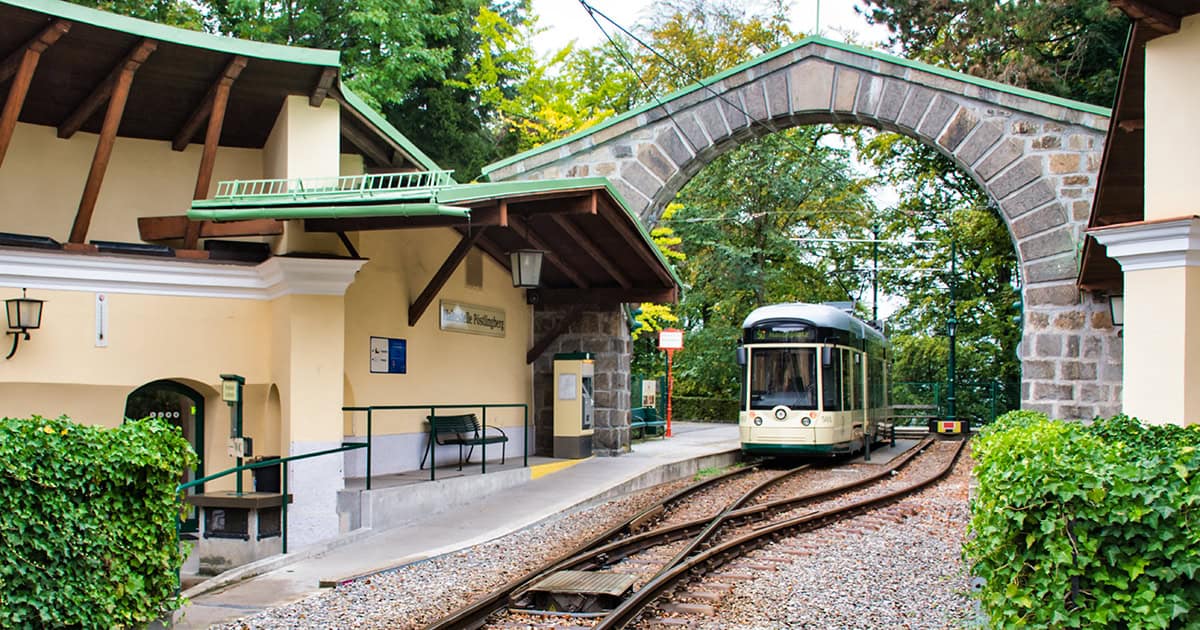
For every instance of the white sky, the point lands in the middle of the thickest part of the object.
(566, 20)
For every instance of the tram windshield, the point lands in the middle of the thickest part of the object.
(783, 376)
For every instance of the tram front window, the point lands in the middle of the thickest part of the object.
(783, 376)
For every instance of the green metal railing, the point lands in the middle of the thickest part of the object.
(283, 478)
(980, 400)
(371, 409)
(358, 186)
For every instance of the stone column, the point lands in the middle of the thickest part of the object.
(605, 334)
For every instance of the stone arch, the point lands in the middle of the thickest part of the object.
(1037, 158)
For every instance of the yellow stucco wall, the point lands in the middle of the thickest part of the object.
(443, 366)
(43, 177)
(1162, 345)
(1172, 132)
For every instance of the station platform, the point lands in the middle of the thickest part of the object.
(545, 489)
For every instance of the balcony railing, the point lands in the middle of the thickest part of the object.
(353, 186)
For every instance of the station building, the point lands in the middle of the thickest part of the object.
(188, 205)
(1143, 247)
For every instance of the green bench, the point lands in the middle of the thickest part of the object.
(646, 421)
(462, 430)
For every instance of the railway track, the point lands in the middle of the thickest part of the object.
(700, 549)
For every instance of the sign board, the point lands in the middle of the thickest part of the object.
(229, 391)
(389, 356)
(945, 426)
(670, 339)
(469, 318)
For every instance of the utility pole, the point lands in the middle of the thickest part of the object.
(875, 272)
(951, 325)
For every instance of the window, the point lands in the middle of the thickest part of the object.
(847, 380)
(783, 376)
(831, 382)
(858, 379)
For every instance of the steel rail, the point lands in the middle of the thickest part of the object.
(718, 555)
(476, 613)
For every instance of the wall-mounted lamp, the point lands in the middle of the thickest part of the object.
(1116, 309)
(24, 315)
(526, 268)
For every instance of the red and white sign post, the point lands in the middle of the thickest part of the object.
(670, 339)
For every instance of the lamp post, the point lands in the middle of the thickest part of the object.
(951, 329)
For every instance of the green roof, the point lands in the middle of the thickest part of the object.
(181, 36)
(226, 45)
(339, 203)
(807, 41)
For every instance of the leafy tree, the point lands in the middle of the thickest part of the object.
(1070, 48)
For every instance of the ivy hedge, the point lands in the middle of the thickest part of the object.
(87, 522)
(1092, 525)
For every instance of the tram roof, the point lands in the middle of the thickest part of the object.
(820, 315)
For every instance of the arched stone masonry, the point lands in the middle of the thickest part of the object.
(1036, 156)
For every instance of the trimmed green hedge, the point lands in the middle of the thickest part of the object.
(1079, 525)
(698, 409)
(87, 522)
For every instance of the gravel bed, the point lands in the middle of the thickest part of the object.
(710, 501)
(905, 575)
(417, 594)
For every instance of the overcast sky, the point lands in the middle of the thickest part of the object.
(566, 20)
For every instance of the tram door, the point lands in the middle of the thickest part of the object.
(183, 407)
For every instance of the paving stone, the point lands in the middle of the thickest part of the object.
(982, 139)
(1064, 163)
(962, 124)
(1004, 154)
(892, 100)
(1077, 371)
(1053, 295)
(672, 144)
(1044, 218)
(1046, 244)
(939, 113)
(653, 158)
(1050, 269)
(1033, 196)
(915, 106)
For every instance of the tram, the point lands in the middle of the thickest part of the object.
(814, 381)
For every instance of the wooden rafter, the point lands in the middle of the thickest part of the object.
(105, 90)
(108, 136)
(602, 296)
(350, 249)
(171, 227)
(212, 138)
(585, 243)
(363, 142)
(568, 318)
(636, 242)
(188, 131)
(322, 88)
(490, 248)
(38, 43)
(23, 62)
(527, 232)
(443, 274)
(1155, 18)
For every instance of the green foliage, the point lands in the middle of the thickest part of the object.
(88, 522)
(1086, 525)
(704, 409)
(1070, 48)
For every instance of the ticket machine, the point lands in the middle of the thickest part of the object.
(573, 405)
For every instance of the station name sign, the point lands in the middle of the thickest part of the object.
(469, 318)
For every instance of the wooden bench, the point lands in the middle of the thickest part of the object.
(647, 421)
(463, 430)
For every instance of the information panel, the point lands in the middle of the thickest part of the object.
(389, 356)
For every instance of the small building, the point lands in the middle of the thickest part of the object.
(1144, 231)
(189, 205)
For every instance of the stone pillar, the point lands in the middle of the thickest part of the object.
(605, 334)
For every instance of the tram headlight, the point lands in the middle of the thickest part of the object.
(806, 421)
(758, 421)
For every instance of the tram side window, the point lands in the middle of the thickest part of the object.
(831, 371)
(858, 380)
(847, 380)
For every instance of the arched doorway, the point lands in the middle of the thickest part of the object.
(183, 407)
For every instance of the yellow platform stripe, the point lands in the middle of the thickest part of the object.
(541, 470)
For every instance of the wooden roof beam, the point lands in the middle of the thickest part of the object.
(527, 232)
(439, 279)
(322, 88)
(38, 44)
(637, 243)
(585, 243)
(1154, 17)
(119, 92)
(24, 62)
(175, 226)
(104, 91)
(600, 296)
(363, 142)
(203, 111)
